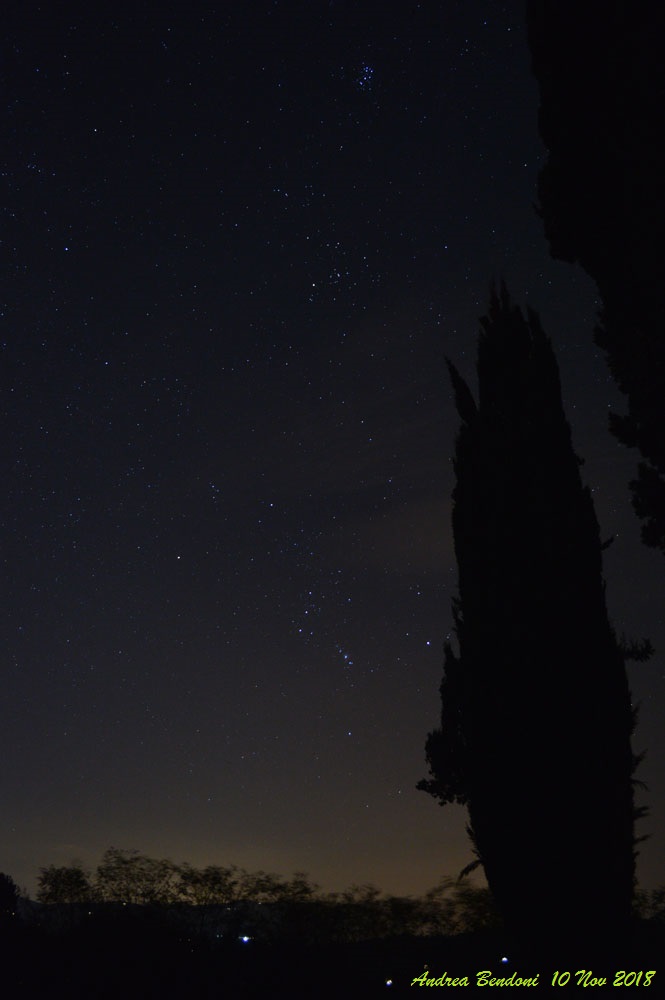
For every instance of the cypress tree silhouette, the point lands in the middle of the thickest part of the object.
(536, 717)
(601, 75)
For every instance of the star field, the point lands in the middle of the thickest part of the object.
(237, 246)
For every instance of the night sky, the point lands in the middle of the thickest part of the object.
(237, 244)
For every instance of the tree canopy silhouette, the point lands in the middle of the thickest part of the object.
(67, 884)
(536, 717)
(8, 899)
(601, 75)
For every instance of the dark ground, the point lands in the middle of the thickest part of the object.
(128, 961)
